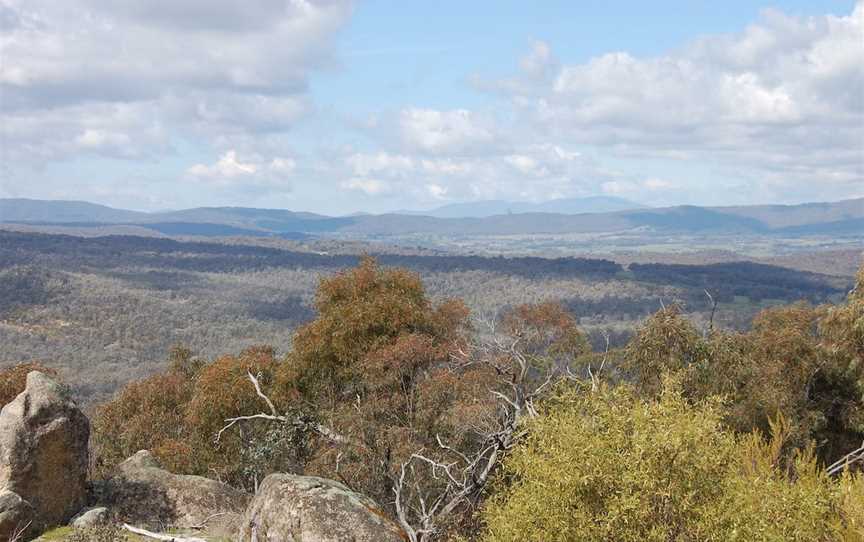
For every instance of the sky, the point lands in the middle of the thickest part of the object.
(336, 107)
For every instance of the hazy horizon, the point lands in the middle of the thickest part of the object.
(422, 210)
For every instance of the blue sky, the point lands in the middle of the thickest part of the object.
(407, 53)
(339, 107)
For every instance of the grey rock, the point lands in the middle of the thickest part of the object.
(291, 508)
(91, 517)
(43, 450)
(141, 492)
(16, 515)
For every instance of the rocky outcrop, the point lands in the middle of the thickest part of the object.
(291, 508)
(16, 515)
(144, 494)
(43, 451)
(43, 482)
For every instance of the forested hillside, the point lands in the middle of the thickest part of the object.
(106, 310)
(512, 428)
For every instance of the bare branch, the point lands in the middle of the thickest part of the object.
(261, 393)
(298, 422)
(401, 515)
(232, 421)
(846, 461)
(451, 449)
(506, 399)
(520, 382)
(18, 533)
(713, 310)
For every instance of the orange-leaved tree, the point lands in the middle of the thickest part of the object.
(372, 371)
(177, 414)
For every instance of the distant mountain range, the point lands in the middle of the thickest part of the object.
(836, 218)
(565, 206)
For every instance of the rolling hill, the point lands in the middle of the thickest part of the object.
(843, 217)
(566, 206)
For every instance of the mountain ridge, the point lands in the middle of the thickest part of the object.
(487, 208)
(845, 216)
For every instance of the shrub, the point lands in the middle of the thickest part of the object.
(222, 390)
(146, 415)
(178, 414)
(801, 362)
(609, 466)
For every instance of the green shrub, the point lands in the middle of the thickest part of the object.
(611, 466)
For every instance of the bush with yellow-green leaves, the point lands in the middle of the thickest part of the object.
(609, 466)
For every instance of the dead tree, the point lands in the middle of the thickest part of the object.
(521, 379)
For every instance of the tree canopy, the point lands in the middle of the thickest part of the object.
(517, 430)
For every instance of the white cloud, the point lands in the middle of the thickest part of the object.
(779, 104)
(372, 187)
(232, 170)
(434, 131)
(658, 184)
(228, 167)
(532, 171)
(448, 166)
(113, 130)
(95, 139)
(364, 164)
(775, 112)
(92, 75)
(65, 52)
(618, 187)
(539, 61)
(526, 165)
(283, 166)
(436, 190)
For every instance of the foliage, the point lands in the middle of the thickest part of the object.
(799, 361)
(610, 466)
(105, 310)
(222, 390)
(709, 440)
(368, 368)
(844, 325)
(177, 415)
(371, 368)
(146, 415)
(666, 342)
(13, 380)
(840, 386)
(547, 333)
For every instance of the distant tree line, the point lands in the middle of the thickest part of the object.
(132, 251)
(748, 279)
(104, 311)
